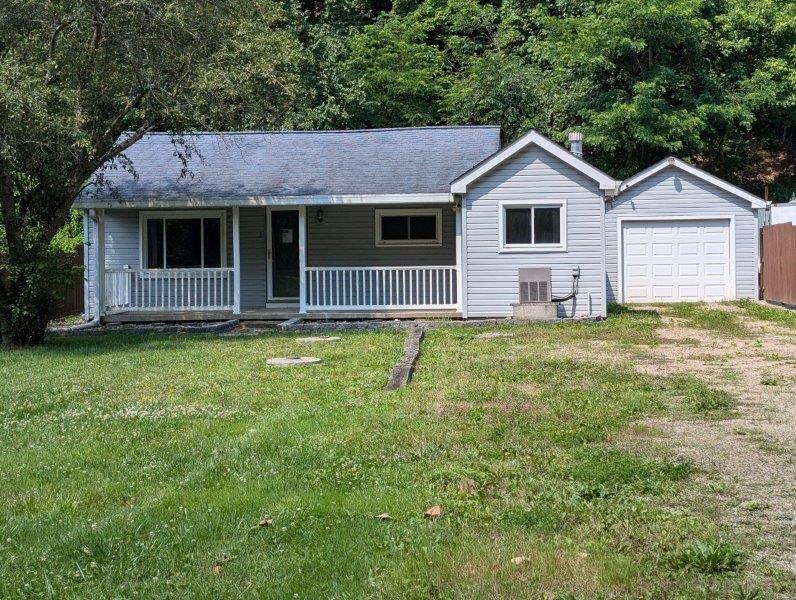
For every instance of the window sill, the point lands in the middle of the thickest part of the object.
(532, 249)
(408, 244)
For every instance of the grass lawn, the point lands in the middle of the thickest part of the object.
(140, 466)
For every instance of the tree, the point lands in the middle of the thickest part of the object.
(75, 75)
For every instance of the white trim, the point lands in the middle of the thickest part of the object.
(459, 186)
(270, 256)
(459, 261)
(465, 289)
(99, 261)
(408, 212)
(604, 261)
(302, 235)
(620, 274)
(673, 161)
(181, 214)
(527, 248)
(315, 200)
(236, 259)
(86, 267)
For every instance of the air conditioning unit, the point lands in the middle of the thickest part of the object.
(536, 295)
(535, 285)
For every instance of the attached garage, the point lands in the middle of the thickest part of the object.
(676, 260)
(675, 233)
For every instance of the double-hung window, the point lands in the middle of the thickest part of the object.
(409, 227)
(185, 240)
(533, 226)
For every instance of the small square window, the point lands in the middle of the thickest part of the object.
(533, 227)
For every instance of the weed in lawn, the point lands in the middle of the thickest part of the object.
(709, 558)
(701, 316)
(758, 310)
(699, 397)
(768, 380)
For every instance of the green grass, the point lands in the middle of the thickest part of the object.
(781, 316)
(700, 398)
(133, 464)
(701, 316)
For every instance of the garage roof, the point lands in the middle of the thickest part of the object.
(675, 162)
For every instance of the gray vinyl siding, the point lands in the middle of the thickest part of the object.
(347, 238)
(491, 275)
(675, 193)
(253, 270)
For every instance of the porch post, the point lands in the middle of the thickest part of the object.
(236, 259)
(302, 238)
(459, 250)
(99, 259)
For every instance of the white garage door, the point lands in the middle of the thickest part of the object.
(676, 261)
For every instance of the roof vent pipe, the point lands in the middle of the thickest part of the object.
(576, 143)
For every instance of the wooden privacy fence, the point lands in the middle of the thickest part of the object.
(778, 264)
(71, 303)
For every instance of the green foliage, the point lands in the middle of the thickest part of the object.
(700, 398)
(710, 558)
(758, 310)
(701, 316)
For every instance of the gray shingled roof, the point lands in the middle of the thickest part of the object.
(245, 164)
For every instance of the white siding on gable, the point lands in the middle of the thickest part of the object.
(677, 194)
(492, 276)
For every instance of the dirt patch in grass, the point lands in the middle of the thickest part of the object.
(753, 451)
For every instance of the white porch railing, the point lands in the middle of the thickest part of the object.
(169, 289)
(367, 288)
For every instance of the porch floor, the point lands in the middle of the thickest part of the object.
(275, 314)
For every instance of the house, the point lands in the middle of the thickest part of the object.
(429, 221)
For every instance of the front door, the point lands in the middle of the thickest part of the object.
(283, 251)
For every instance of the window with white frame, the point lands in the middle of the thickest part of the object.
(186, 240)
(533, 226)
(409, 227)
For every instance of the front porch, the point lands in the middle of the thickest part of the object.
(277, 268)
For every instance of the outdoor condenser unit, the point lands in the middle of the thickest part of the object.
(535, 285)
(536, 295)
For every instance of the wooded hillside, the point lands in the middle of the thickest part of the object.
(710, 81)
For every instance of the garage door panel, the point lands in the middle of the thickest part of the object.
(714, 292)
(715, 249)
(688, 249)
(635, 249)
(716, 270)
(688, 270)
(670, 261)
(662, 249)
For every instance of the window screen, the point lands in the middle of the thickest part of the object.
(183, 243)
(518, 226)
(531, 225)
(409, 227)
